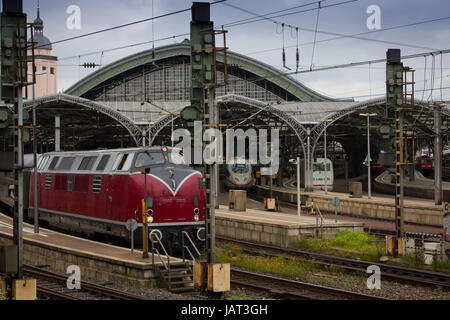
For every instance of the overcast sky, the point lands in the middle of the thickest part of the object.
(263, 40)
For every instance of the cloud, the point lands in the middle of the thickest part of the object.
(346, 19)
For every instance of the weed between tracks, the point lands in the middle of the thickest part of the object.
(312, 272)
(361, 245)
(415, 261)
(354, 244)
(240, 294)
(289, 266)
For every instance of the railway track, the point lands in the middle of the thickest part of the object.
(292, 290)
(389, 272)
(53, 285)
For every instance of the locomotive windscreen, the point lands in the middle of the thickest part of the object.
(321, 167)
(240, 168)
(145, 159)
(176, 156)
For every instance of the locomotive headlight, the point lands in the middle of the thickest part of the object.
(149, 216)
(196, 214)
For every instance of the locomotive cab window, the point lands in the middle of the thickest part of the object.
(40, 162)
(66, 163)
(43, 163)
(176, 156)
(125, 162)
(145, 159)
(53, 163)
(103, 161)
(87, 163)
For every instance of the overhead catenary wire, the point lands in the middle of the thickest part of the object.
(370, 81)
(315, 36)
(123, 25)
(357, 36)
(268, 50)
(384, 93)
(297, 54)
(432, 71)
(339, 36)
(153, 30)
(284, 52)
(441, 78)
(185, 34)
(424, 77)
(259, 17)
(351, 64)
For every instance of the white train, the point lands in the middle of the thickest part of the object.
(239, 176)
(322, 170)
(323, 173)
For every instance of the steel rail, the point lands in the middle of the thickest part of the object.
(54, 294)
(314, 291)
(392, 272)
(85, 285)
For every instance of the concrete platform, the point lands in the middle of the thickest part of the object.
(417, 211)
(275, 228)
(97, 261)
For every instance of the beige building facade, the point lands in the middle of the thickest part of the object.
(46, 64)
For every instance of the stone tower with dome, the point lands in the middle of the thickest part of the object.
(46, 64)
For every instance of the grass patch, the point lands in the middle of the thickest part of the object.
(239, 294)
(416, 261)
(355, 244)
(290, 266)
(367, 247)
(441, 266)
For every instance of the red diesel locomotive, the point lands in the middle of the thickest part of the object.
(96, 192)
(424, 164)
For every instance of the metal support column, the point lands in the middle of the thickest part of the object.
(308, 171)
(325, 156)
(369, 161)
(57, 132)
(437, 155)
(35, 173)
(18, 179)
(298, 188)
(399, 174)
(210, 186)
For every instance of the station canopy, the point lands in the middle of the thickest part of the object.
(135, 101)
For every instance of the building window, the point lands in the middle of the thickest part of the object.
(44, 68)
(52, 70)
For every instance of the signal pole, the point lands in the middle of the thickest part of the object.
(13, 78)
(204, 109)
(397, 98)
(437, 155)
